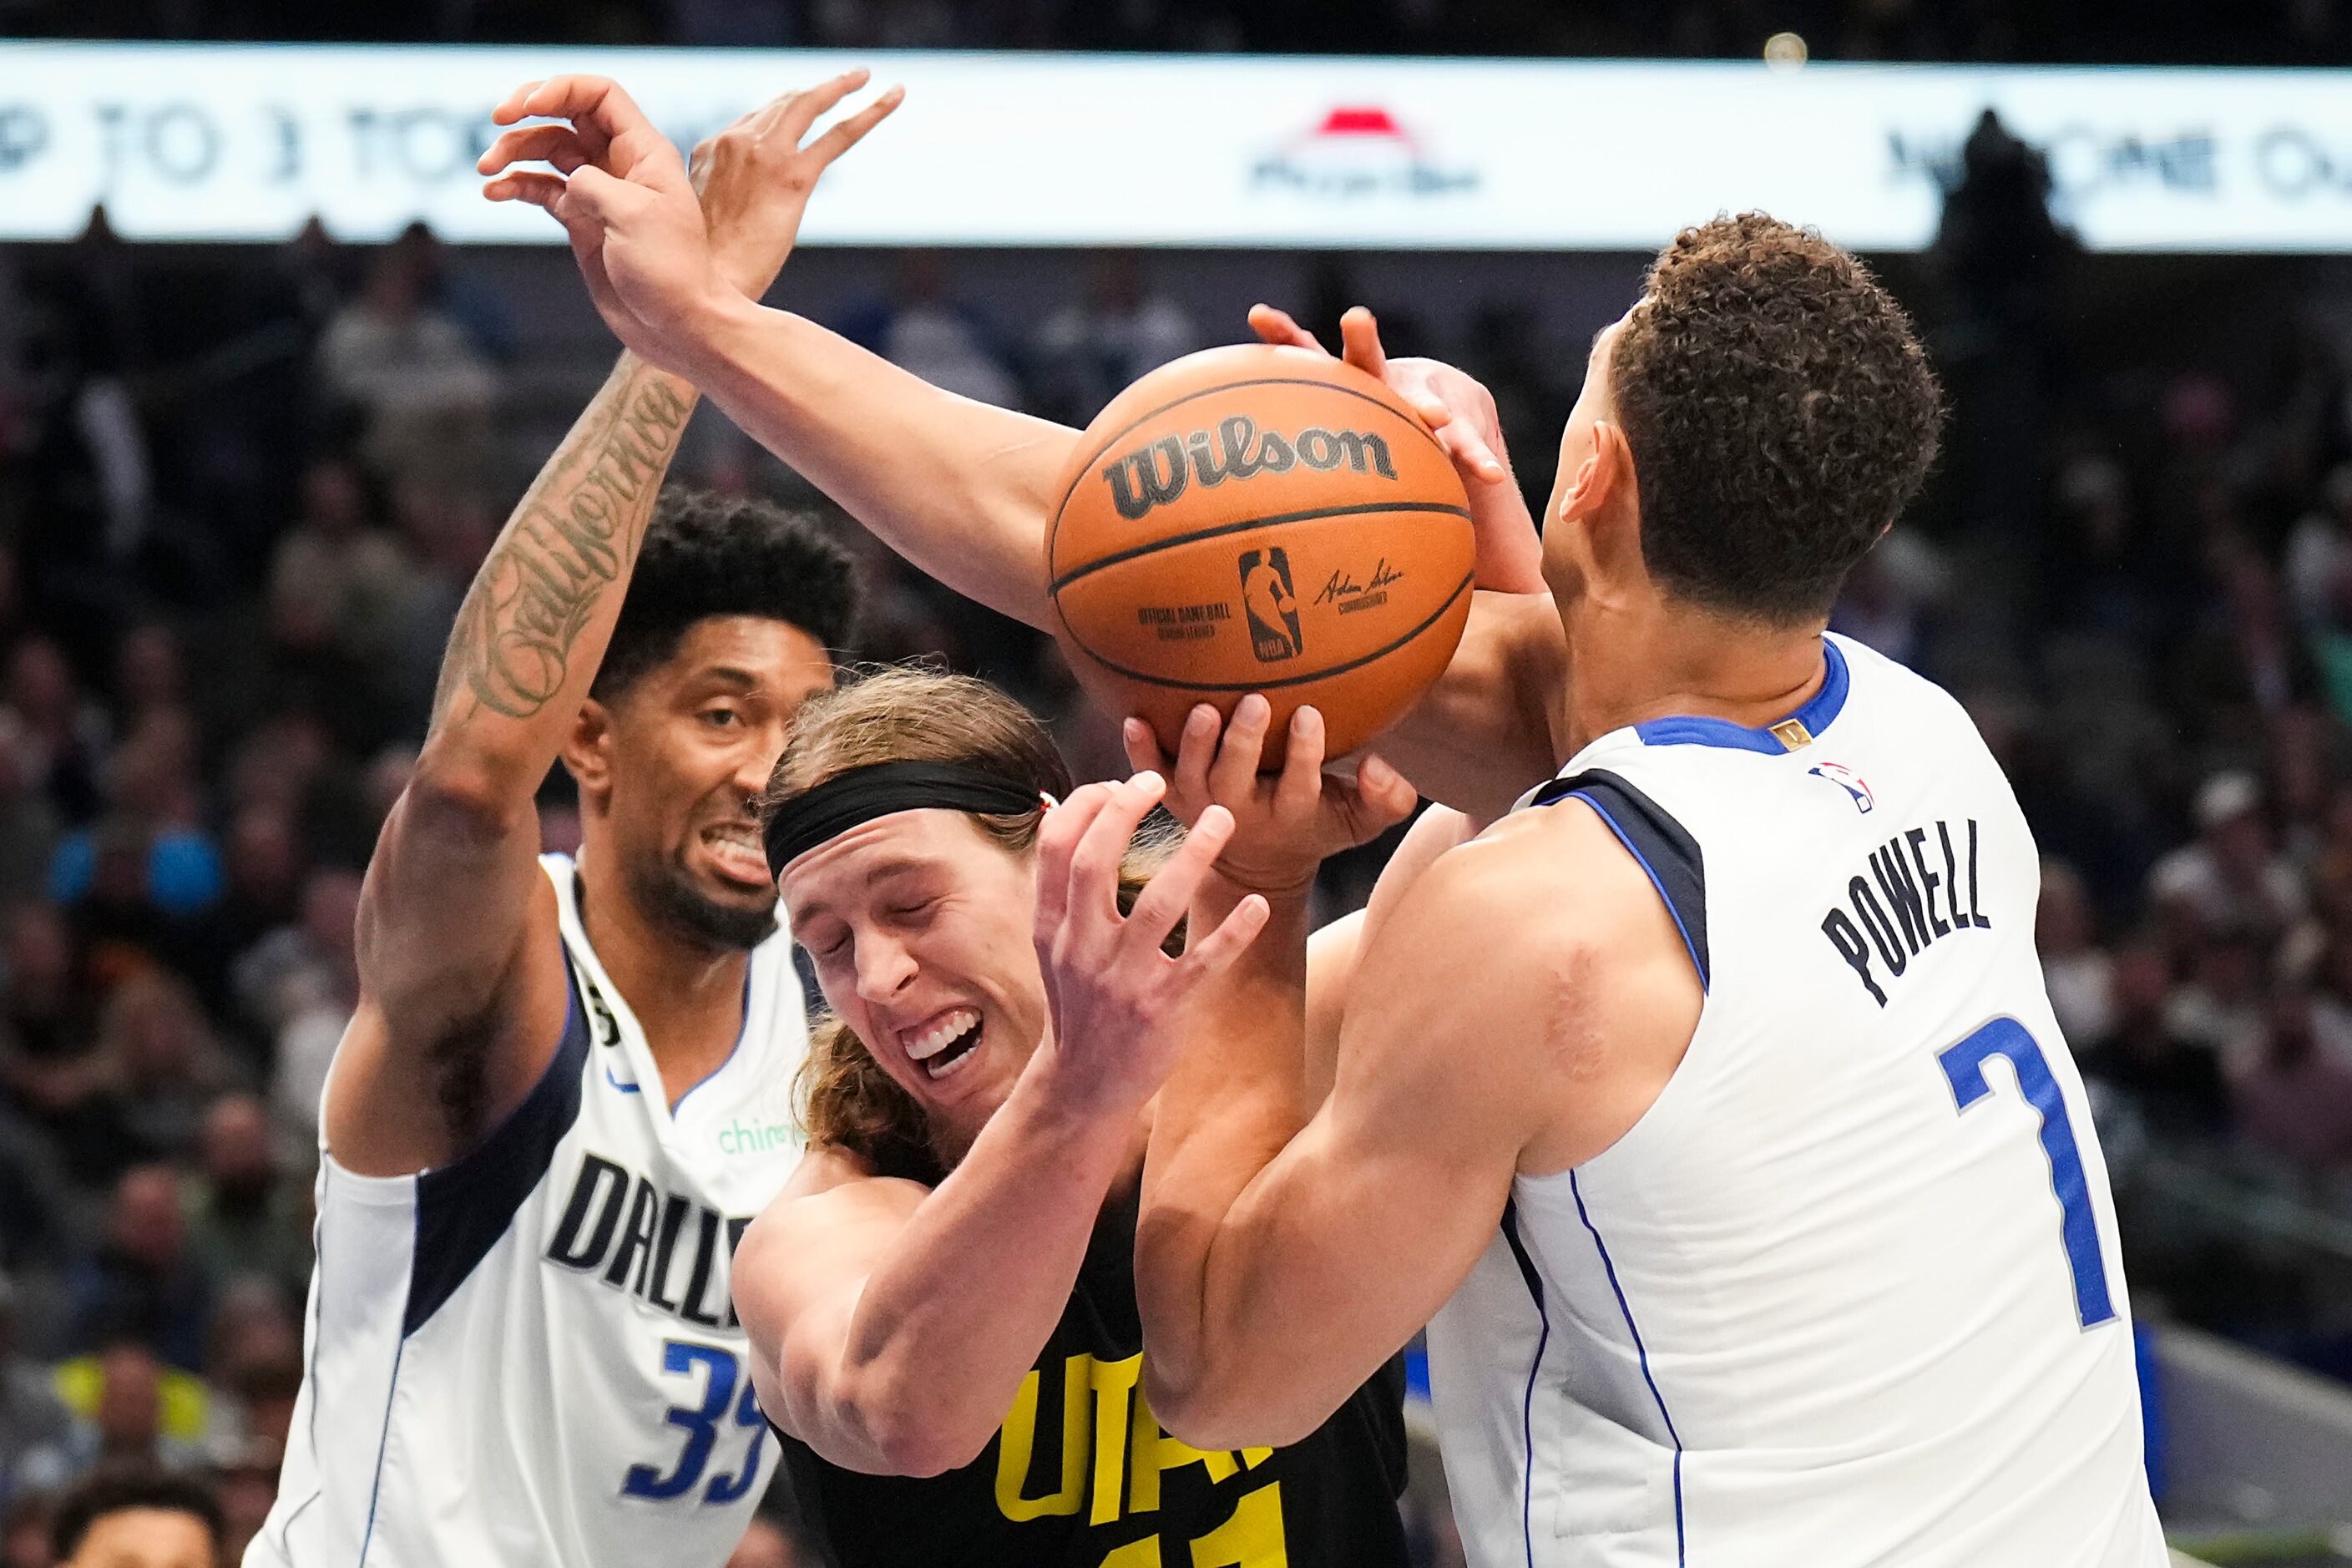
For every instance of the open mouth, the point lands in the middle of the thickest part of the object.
(736, 846)
(945, 1043)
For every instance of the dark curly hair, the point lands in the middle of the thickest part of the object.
(116, 1487)
(1781, 410)
(706, 555)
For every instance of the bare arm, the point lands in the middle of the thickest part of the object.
(462, 989)
(458, 1011)
(856, 1297)
(1492, 1029)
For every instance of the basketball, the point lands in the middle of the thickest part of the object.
(1260, 519)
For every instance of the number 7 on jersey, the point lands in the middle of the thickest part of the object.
(1963, 1064)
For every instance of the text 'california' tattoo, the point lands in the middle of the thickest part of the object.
(574, 537)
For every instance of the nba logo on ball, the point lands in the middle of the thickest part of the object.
(1271, 605)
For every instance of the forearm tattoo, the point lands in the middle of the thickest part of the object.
(575, 535)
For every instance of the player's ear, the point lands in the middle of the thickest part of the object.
(588, 749)
(1605, 504)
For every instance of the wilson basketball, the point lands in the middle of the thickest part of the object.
(1259, 519)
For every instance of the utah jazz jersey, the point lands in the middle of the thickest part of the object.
(1848, 1295)
(1080, 1475)
(529, 1356)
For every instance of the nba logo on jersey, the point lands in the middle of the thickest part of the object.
(1847, 779)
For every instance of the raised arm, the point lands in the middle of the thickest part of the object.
(964, 489)
(462, 985)
(1492, 1028)
(857, 1290)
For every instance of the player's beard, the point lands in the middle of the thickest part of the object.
(667, 894)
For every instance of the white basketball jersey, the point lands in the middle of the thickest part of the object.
(1848, 1295)
(529, 1357)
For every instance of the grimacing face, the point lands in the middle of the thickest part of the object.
(920, 926)
(688, 747)
(1593, 406)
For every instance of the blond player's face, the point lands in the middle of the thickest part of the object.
(921, 928)
(145, 1538)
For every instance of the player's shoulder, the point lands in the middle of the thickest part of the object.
(1554, 883)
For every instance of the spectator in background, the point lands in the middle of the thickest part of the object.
(2079, 973)
(2172, 1081)
(150, 674)
(2221, 1007)
(314, 980)
(32, 1416)
(2296, 1104)
(2318, 569)
(138, 1518)
(1090, 350)
(48, 1030)
(424, 391)
(161, 1067)
(156, 800)
(264, 872)
(921, 328)
(2231, 875)
(246, 1220)
(336, 581)
(143, 1281)
(129, 1409)
(56, 735)
(30, 827)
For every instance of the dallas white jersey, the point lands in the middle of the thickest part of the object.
(1848, 1295)
(529, 1357)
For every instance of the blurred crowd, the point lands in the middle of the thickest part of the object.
(239, 502)
(2281, 32)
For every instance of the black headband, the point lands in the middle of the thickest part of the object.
(861, 794)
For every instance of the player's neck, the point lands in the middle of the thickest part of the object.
(1652, 659)
(686, 995)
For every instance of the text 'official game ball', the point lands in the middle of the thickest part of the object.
(1259, 519)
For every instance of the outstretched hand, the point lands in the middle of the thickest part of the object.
(1284, 825)
(1114, 992)
(1459, 411)
(659, 245)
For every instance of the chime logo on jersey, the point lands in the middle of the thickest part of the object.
(665, 1249)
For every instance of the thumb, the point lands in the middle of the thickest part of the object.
(595, 195)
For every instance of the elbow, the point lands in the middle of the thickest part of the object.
(1218, 1409)
(906, 1430)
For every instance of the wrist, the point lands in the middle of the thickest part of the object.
(705, 328)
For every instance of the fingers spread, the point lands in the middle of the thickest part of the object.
(1169, 893)
(1302, 765)
(1277, 327)
(1196, 750)
(1058, 841)
(1207, 956)
(1143, 753)
(557, 144)
(1361, 335)
(526, 186)
(1234, 772)
(1094, 865)
(793, 112)
(852, 131)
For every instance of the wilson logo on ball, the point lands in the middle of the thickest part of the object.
(1154, 475)
(1271, 605)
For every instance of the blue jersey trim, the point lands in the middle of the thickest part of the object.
(383, 1442)
(1642, 1351)
(463, 1207)
(1527, 1407)
(1661, 846)
(1819, 711)
(740, 1034)
(624, 1088)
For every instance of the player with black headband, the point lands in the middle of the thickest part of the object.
(942, 1305)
